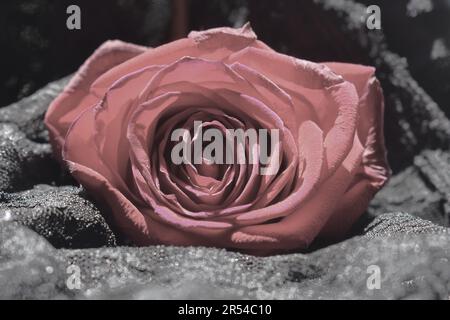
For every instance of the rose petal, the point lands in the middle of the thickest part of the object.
(322, 90)
(352, 205)
(298, 229)
(371, 121)
(90, 157)
(193, 46)
(112, 116)
(312, 151)
(76, 96)
(136, 223)
(105, 150)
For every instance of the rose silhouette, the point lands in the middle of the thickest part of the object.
(113, 122)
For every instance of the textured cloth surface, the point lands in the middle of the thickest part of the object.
(413, 257)
(49, 224)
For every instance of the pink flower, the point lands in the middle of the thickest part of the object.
(112, 126)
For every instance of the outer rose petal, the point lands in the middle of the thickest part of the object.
(371, 121)
(134, 222)
(104, 122)
(301, 227)
(214, 44)
(77, 97)
(374, 169)
(352, 205)
(321, 89)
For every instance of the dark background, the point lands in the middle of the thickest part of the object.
(36, 47)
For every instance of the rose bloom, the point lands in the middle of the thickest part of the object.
(112, 125)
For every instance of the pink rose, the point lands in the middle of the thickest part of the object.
(112, 125)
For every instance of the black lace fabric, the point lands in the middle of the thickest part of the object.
(49, 223)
